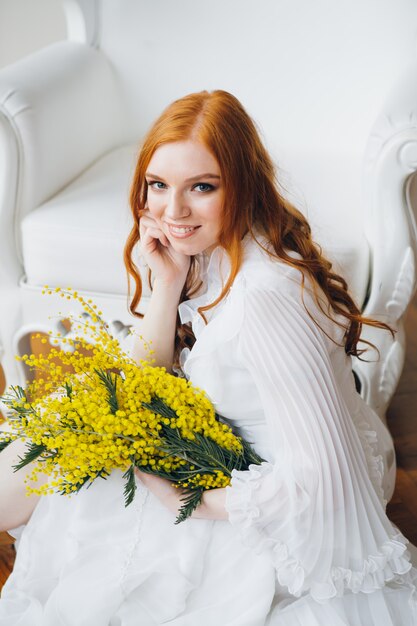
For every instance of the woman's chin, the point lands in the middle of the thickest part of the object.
(191, 246)
(185, 248)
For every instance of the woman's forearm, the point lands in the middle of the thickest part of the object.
(213, 505)
(158, 326)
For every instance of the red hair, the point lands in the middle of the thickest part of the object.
(254, 202)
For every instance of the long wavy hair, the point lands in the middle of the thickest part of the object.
(253, 202)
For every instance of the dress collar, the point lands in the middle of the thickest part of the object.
(214, 271)
(216, 266)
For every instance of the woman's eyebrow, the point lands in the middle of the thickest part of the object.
(200, 176)
(189, 180)
(150, 175)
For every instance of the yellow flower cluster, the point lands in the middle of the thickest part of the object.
(208, 481)
(91, 409)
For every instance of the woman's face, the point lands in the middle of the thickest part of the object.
(185, 195)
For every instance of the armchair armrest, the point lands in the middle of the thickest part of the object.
(390, 227)
(390, 223)
(59, 111)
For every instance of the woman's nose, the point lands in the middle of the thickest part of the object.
(176, 207)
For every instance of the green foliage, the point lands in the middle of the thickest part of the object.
(205, 454)
(83, 481)
(202, 456)
(192, 498)
(109, 380)
(130, 486)
(4, 444)
(14, 399)
(158, 406)
(33, 452)
(250, 455)
(68, 389)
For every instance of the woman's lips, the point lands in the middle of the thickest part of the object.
(182, 232)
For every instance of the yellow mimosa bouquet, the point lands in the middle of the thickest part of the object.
(92, 409)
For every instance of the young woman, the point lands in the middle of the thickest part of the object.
(244, 305)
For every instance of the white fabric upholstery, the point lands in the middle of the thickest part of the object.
(77, 237)
(64, 106)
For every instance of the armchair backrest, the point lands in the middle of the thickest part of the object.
(313, 74)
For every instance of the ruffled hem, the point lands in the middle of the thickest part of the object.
(389, 564)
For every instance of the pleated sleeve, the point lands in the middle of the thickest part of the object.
(312, 506)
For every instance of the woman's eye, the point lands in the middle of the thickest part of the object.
(156, 184)
(202, 187)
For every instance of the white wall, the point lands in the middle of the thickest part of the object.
(27, 26)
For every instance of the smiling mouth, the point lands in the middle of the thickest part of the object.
(181, 230)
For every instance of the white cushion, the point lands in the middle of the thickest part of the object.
(76, 239)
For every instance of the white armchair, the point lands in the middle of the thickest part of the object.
(327, 83)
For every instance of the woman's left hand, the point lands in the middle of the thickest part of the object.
(212, 504)
(163, 489)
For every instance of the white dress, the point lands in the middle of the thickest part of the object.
(307, 542)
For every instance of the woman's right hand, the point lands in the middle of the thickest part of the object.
(168, 266)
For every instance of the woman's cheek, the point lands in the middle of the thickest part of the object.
(155, 207)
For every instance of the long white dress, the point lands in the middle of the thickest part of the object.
(307, 542)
